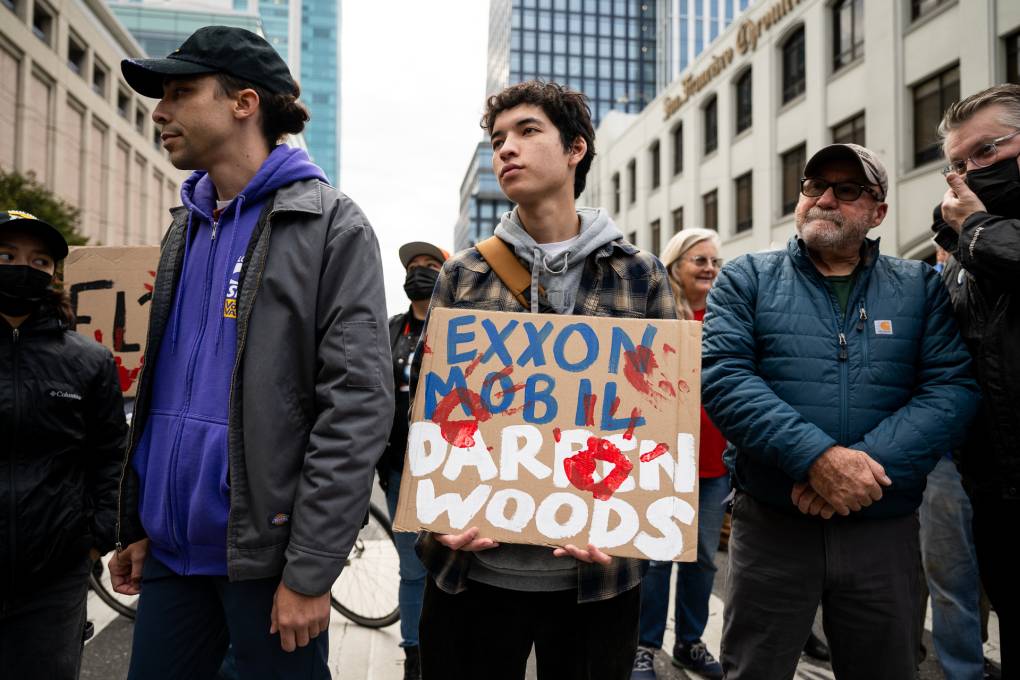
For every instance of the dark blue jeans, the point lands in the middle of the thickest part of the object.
(694, 579)
(950, 564)
(185, 622)
(412, 572)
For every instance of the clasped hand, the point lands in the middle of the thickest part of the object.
(840, 481)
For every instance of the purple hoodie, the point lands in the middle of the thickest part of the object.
(181, 459)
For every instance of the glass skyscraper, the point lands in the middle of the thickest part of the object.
(307, 36)
(161, 27)
(604, 48)
(687, 28)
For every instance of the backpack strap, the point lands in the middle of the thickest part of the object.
(507, 267)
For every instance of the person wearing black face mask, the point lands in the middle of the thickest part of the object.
(422, 261)
(62, 432)
(980, 227)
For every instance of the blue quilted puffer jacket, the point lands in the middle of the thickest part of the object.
(786, 375)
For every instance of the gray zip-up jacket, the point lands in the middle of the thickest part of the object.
(310, 397)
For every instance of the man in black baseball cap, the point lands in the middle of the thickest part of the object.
(213, 49)
(238, 516)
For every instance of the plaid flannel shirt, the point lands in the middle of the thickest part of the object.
(618, 281)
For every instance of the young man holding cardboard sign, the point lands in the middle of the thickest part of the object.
(487, 603)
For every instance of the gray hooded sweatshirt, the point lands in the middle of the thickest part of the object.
(528, 567)
(560, 275)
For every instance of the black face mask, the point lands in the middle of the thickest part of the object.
(998, 187)
(22, 289)
(419, 283)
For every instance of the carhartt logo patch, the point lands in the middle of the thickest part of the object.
(60, 394)
(883, 327)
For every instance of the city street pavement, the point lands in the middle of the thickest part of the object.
(362, 654)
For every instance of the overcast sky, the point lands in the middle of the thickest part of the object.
(413, 83)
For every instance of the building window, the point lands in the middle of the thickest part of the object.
(616, 193)
(42, 23)
(711, 113)
(632, 180)
(919, 8)
(847, 32)
(140, 116)
(1013, 58)
(678, 149)
(793, 162)
(678, 219)
(99, 72)
(744, 101)
(850, 131)
(632, 238)
(10, 4)
(157, 140)
(793, 66)
(123, 103)
(76, 54)
(742, 188)
(653, 158)
(656, 237)
(710, 209)
(931, 98)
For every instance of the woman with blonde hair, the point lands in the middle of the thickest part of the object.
(692, 260)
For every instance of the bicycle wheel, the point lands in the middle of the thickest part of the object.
(99, 581)
(366, 592)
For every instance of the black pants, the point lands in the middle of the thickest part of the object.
(866, 574)
(995, 526)
(488, 632)
(185, 622)
(41, 631)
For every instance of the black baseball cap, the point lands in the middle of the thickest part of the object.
(213, 49)
(54, 240)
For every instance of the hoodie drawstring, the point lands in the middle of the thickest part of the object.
(180, 289)
(561, 270)
(238, 202)
(536, 260)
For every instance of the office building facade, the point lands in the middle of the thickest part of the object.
(724, 145)
(68, 118)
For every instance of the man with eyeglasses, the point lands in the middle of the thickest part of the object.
(980, 227)
(839, 378)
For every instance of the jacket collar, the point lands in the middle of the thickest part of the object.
(797, 250)
(304, 196)
(623, 246)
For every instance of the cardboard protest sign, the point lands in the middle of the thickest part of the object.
(549, 430)
(111, 291)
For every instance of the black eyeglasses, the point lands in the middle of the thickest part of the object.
(847, 192)
(704, 261)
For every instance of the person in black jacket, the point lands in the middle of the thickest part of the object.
(980, 227)
(63, 429)
(422, 261)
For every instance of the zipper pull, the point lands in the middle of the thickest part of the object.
(861, 319)
(215, 224)
(842, 348)
(14, 332)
